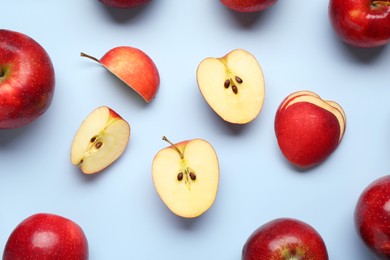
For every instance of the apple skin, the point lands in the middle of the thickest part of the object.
(372, 216)
(27, 80)
(248, 5)
(308, 133)
(285, 239)
(361, 23)
(124, 3)
(47, 236)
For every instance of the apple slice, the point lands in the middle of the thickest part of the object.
(233, 86)
(308, 128)
(186, 177)
(134, 67)
(101, 139)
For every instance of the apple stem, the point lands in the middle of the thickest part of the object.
(82, 54)
(174, 147)
(379, 2)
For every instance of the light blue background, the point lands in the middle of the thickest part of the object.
(118, 209)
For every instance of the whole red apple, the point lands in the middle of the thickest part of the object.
(372, 216)
(26, 79)
(124, 3)
(47, 236)
(248, 5)
(361, 23)
(308, 129)
(285, 239)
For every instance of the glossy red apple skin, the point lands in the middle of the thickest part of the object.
(248, 5)
(372, 216)
(46, 236)
(307, 134)
(284, 239)
(27, 80)
(125, 3)
(361, 23)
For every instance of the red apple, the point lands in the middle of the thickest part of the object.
(47, 236)
(372, 216)
(308, 129)
(248, 5)
(134, 67)
(124, 3)
(26, 80)
(361, 23)
(285, 239)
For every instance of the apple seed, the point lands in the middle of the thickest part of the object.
(238, 79)
(98, 145)
(192, 176)
(227, 83)
(235, 89)
(180, 176)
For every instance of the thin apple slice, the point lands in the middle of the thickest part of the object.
(233, 86)
(186, 177)
(101, 139)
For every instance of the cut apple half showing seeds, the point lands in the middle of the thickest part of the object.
(101, 139)
(186, 177)
(233, 86)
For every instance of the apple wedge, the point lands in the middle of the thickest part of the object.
(134, 67)
(186, 177)
(101, 139)
(233, 86)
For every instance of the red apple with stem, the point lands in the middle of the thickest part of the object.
(361, 23)
(285, 239)
(125, 3)
(248, 5)
(134, 67)
(27, 80)
(372, 216)
(46, 236)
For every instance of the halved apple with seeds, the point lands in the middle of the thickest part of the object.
(186, 177)
(233, 86)
(308, 129)
(101, 139)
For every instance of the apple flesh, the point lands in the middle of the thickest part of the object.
(186, 177)
(101, 139)
(248, 5)
(134, 67)
(233, 86)
(285, 239)
(46, 236)
(308, 129)
(125, 3)
(372, 216)
(27, 80)
(361, 23)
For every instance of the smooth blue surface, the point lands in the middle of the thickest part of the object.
(118, 209)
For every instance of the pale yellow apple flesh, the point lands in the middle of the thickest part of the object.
(186, 177)
(233, 86)
(101, 139)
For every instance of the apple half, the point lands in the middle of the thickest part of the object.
(233, 86)
(134, 67)
(308, 129)
(186, 177)
(101, 139)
